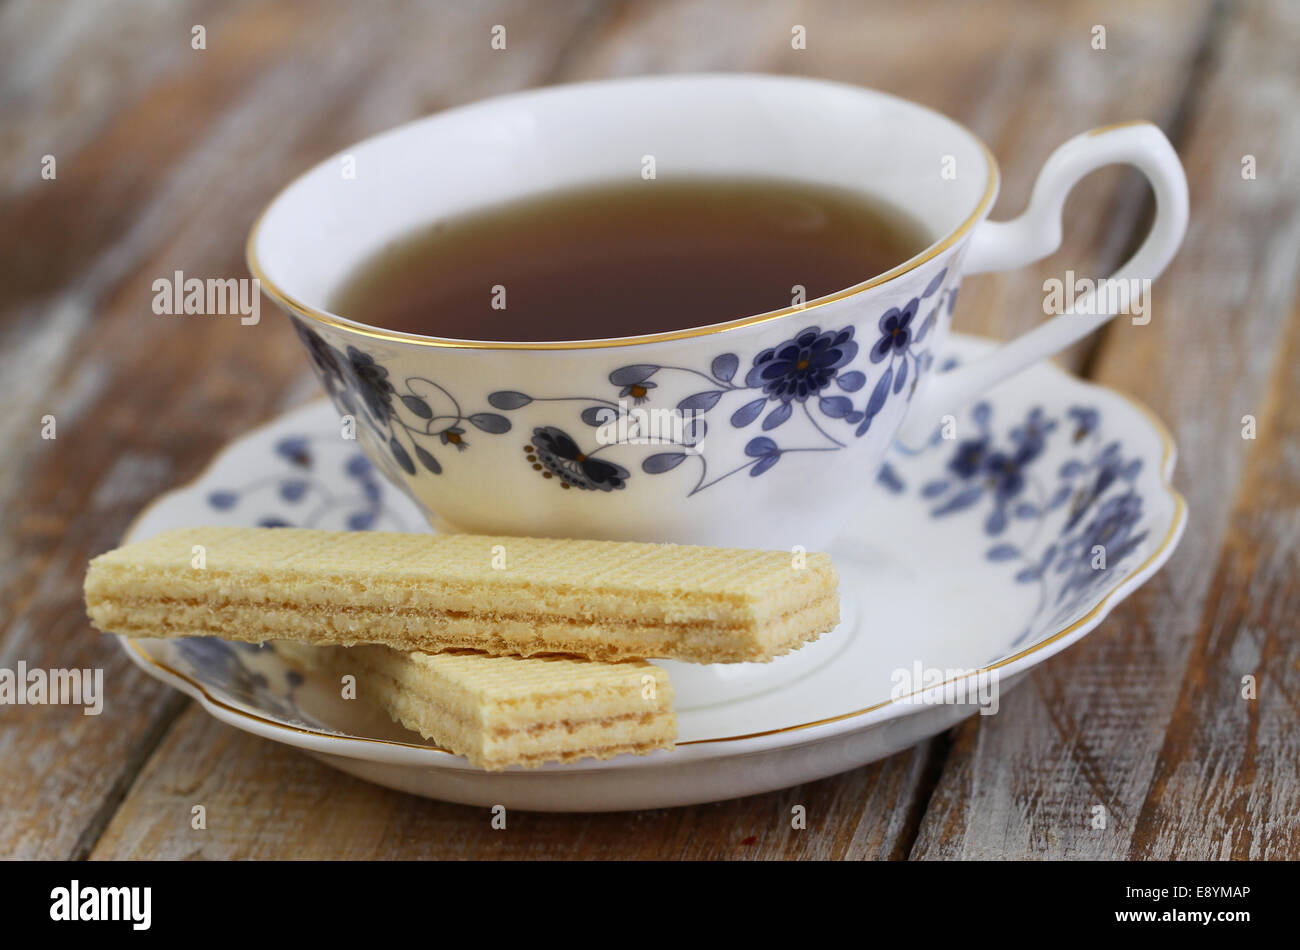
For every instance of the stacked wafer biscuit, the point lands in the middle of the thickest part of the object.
(419, 602)
(506, 710)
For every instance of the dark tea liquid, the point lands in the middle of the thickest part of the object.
(627, 259)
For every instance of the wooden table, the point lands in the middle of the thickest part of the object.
(165, 153)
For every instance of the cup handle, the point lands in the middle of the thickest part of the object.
(999, 245)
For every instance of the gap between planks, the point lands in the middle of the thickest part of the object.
(589, 22)
(1129, 223)
(1131, 209)
(173, 705)
(1134, 206)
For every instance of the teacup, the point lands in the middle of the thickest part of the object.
(761, 432)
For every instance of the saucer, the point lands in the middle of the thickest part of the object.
(972, 558)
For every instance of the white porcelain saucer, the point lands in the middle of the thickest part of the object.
(970, 561)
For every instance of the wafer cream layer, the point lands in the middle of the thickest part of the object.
(598, 599)
(501, 710)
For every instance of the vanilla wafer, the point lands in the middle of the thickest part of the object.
(508, 710)
(604, 600)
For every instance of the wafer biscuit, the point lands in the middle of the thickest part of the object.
(602, 600)
(507, 710)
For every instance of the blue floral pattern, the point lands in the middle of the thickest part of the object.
(241, 670)
(997, 477)
(814, 380)
(556, 455)
(318, 485)
(410, 421)
(303, 496)
(801, 367)
(810, 377)
(803, 395)
(1081, 485)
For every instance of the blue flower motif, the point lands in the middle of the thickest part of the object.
(220, 664)
(329, 362)
(802, 366)
(968, 461)
(402, 456)
(1105, 511)
(370, 379)
(1006, 473)
(454, 436)
(361, 520)
(791, 380)
(358, 374)
(889, 478)
(637, 392)
(1086, 421)
(292, 489)
(274, 496)
(1112, 526)
(1111, 531)
(895, 330)
(981, 469)
(295, 450)
(1110, 466)
(556, 455)
(1031, 436)
(634, 381)
(223, 500)
(765, 451)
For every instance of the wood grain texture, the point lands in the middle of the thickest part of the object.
(1226, 783)
(165, 154)
(265, 800)
(636, 27)
(1022, 76)
(163, 171)
(1140, 718)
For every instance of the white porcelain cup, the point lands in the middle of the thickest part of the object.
(759, 432)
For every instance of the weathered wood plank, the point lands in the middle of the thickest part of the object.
(1227, 780)
(870, 812)
(264, 800)
(1023, 76)
(166, 176)
(1142, 718)
(153, 187)
(67, 67)
(877, 832)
